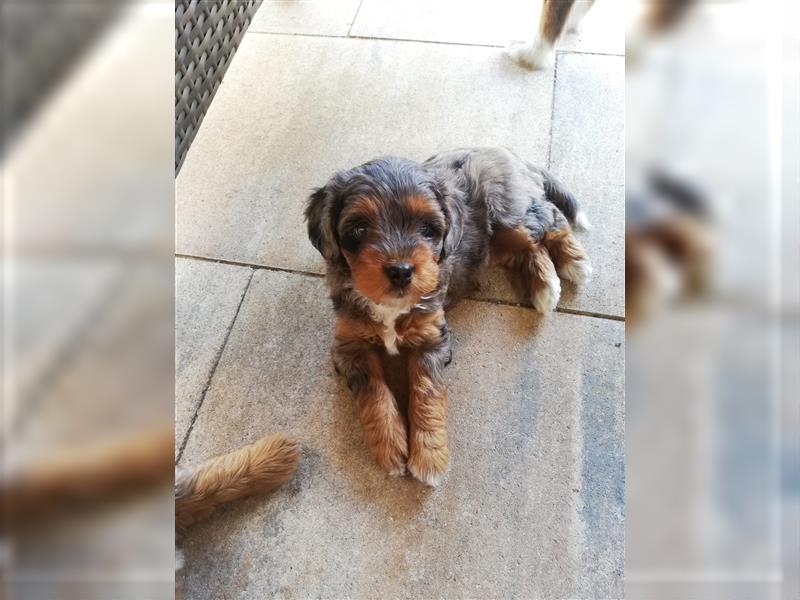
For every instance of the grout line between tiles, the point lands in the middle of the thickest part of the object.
(559, 309)
(552, 111)
(614, 54)
(255, 266)
(349, 36)
(238, 263)
(353, 22)
(217, 358)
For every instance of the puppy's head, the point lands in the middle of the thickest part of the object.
(392, 223)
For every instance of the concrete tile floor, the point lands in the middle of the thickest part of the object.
(486, 23)
(533, 505)
(208, 296)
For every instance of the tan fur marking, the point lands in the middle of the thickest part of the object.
(348, 329)
(365, 207)
(420, 329)
(541, 267)
(424, 208)
(568, 255)
(509, 247)
(368, 274)
(564, 246)
(426, 272)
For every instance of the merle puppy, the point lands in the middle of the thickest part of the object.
(403, 241)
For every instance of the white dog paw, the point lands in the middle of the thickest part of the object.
(427, 476)
(545, 298)
(535, 55)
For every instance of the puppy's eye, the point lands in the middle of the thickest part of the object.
(354, 236)
(430, 231)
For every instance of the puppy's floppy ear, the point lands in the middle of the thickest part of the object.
(320, 219)
(452, 206)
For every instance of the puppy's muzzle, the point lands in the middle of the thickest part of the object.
(400, 274)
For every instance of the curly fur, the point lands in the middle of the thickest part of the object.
(444, 220)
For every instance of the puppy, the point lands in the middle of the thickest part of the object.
(403, 241)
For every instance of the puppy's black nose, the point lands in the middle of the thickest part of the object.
(400, 274)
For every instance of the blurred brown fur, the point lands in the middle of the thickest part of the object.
(76, 479)
(669, 244)
(662, 15)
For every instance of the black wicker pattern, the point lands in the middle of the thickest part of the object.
(207, 33)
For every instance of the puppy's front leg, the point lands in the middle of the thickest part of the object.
(383, 425)
(428, 454)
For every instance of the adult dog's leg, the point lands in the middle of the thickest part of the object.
(383, 425)
(428, 454)
(538, 54)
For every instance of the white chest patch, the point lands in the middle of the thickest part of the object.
(387, 315)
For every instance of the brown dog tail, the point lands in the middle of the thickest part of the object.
(254, 469)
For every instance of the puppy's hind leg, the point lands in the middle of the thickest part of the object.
(568, 255)
(515, 249)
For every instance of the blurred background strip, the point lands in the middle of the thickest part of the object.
(713, 331)
(42, 42)
(88, 301)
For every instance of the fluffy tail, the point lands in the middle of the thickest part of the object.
(254, 469)
(565, 202)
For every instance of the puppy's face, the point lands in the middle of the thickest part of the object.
(392, 245)
(389, 223)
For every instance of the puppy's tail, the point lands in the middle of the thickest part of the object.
(556, 193)
(258, 468)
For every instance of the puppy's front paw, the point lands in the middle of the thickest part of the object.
(390, 447)
(535, 55)
(429, 456)
(546, 294)
(392, 455)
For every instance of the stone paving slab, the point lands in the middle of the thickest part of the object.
(588, 155)
(493, 23)
(293, 110)
(534, 501)
(588, 137)
(318, 17)
(207, 296)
